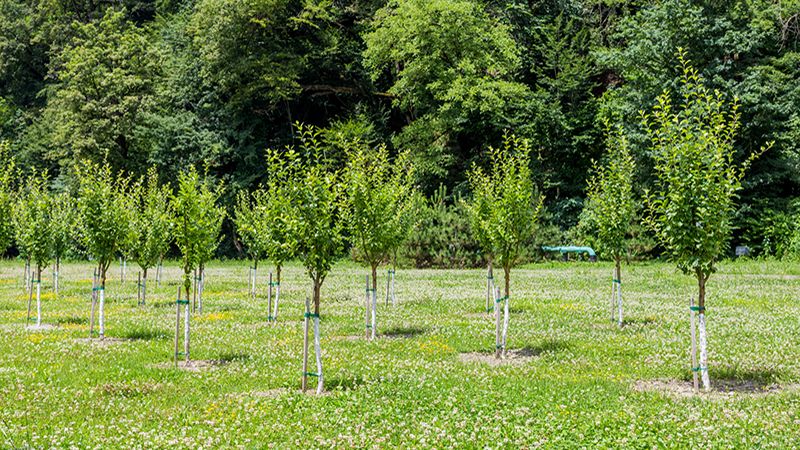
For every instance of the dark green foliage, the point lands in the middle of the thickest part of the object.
(213, 83)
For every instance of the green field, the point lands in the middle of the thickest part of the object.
(581, 382)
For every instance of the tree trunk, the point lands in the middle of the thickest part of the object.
(186, 328)
(269, 298)
(144, 286)
(277, 291)
(38, 295)
(367, 325)
(374, 297)
(618, 269)
(304, 380)
(701, 303)
(201, 281)
(489, 284)
(55, 275)
(102, 294)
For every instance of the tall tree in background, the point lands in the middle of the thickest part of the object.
(610, 206)
(697, 181)
(450, 68)
(7, 170)
(105, 84)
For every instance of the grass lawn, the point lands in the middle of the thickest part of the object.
(584, 384)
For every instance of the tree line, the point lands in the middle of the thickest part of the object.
(212, 83)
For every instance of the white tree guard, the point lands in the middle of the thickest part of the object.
(318, 353)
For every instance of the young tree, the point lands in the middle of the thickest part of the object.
(32, 216)
(478, 211)
(697, 180)
(278, 224)
(106, 218)
(512, 207)
(316, 198)
(610, 207)
(247, 217)
(63, 229)
(196, 224)
(211, 219)
(376, 192)
(152, 224)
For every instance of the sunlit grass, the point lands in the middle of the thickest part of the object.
(410, 387)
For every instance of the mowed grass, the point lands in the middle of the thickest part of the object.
(409, 388)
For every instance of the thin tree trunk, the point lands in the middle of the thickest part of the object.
(38, 295)
(497, 329)
(489, 284)
(394, 272)
(186, 329)
(55, 275)
(269, 299)
(94, 303)
(317, 289)
(374, 298)
(144, 286)
(694, 344)
(200, 286)
(177, 326)
(101, 293)
(701, 303)
(277, 292)
(367, 325)
(29, 290)
(304, 382)
(619, 291)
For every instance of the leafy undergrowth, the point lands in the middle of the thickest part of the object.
(579, 381)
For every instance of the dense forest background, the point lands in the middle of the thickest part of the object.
(213, 83)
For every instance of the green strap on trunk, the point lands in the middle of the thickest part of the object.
(99, 288)
(308, 314)
(614, 280)
(182, 302)
(311, 374)
(503, 298)
(274, 284)
(697, 308)
(699, 369)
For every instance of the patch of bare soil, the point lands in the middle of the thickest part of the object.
(44, 326)
(512, 357)
(104, 342)
(719, 389)
(272, 393)
(194, 365)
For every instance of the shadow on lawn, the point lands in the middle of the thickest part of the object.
(404, 332)
(342, 383)
(639, 322)
(735, 379)
(145, 334)
(72, 320)
(232, 357)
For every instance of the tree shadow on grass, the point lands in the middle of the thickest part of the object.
(404, 332)
(532, 351)
(225, 358)
(145, 334)
(340, 383)
(639, 322)
(732, 379)
(72, 320)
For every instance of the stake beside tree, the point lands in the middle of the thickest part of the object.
(512, 207)
(152, 225)
(610, 208)
(697, 181)
(33, 223)
(105, 219)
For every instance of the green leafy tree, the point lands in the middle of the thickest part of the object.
(378, 191)
(152, 224)
(316, 198)
(512, 204)
(197, 222)
(32, 216)
(106, 217)
(451, 72)
(692, 206)
(104, 87)
(610, 204)
(247, 217)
